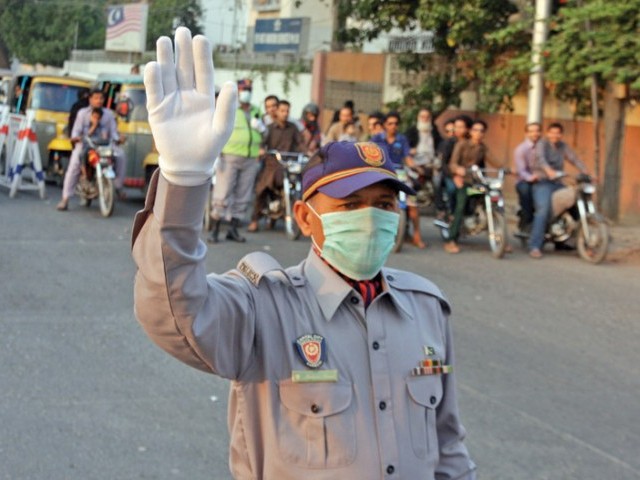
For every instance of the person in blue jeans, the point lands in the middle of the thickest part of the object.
(552, 152)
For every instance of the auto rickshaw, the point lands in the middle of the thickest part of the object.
(51, 97)
(125, 95)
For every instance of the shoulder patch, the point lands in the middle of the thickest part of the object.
(256, 265)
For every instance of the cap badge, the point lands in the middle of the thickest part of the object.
(370, 153)
(311, 349)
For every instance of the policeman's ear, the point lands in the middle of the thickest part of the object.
(302, 214)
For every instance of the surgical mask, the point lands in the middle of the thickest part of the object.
(357, 243)
(244, 96)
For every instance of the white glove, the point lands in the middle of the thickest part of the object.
(257, 125)
(188, 129)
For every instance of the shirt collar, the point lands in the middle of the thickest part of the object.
(330, 289)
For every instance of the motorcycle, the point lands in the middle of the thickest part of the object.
(484, 211)
(422, 180)
(576, 219)
(402, 211)
(281, 200)
(98, 177)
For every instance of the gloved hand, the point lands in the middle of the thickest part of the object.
(188, 129)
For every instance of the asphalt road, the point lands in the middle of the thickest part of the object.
(547, 357)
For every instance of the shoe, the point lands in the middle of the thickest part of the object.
(253, 227)
(564, 247)
(215, 231)
(63, 205)
(451, 247)
(535, 253)
(233, 234)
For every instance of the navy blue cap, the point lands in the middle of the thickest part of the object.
(348, 167)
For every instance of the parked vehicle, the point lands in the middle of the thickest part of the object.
(281, 200)
(98, 176)
(484, 211)
(576, 221)
(51, 97)
(126, 96)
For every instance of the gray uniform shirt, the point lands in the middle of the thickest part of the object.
(376, 421)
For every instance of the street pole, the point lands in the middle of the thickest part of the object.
(536, 77)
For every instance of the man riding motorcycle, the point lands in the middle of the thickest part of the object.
(552, 153)
(81, 128)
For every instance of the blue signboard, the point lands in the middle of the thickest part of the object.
(278, 35)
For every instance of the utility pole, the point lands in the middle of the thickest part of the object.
(536, 77)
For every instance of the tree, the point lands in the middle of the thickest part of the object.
(44, 31)
(465, 46)
(597, 42)
(166, 15)
(37, 32)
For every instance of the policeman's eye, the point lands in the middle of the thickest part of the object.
(353, 205)
(386, 205)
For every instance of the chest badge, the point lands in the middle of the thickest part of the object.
(311, 349)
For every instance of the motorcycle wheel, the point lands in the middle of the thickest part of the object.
(290, 225)
(498, 242)
(402, 226)
(106, 197)
(595, 248)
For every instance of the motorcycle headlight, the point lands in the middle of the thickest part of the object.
(495, 185)
(588, 188)
(295, 167)
(105, 151)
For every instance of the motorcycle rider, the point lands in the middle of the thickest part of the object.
(270, 109)
(310, 127)
(284, 136)
(237, 167)
(80, 129)
(552, 152)
(397, 147)
(467, 153)
(458, 129)
(525, 159)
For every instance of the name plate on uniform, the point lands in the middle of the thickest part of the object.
(312, 376)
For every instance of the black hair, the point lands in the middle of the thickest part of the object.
(464, 118)
(556, 125)
(392, 114)
(480, 122)
(284, 102)
(97, 111)
(271, 97)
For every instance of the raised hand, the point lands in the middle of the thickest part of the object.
(188, 129)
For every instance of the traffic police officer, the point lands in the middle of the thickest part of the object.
(340, 367)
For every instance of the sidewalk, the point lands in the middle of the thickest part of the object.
(625, 243)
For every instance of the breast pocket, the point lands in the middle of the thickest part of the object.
(424, 396)
(316, 428)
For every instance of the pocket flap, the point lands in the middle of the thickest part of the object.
(315, 399)
(425, 390)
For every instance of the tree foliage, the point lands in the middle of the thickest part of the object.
(466, 47)
(593, 38)
(44, 31)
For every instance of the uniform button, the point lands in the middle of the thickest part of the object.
(382, 405)
(433, 400)
(391, 278)
(375, 345)
(390, 469)
(315, 408)
(354, 300)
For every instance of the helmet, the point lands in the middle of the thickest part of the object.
(311, 108)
